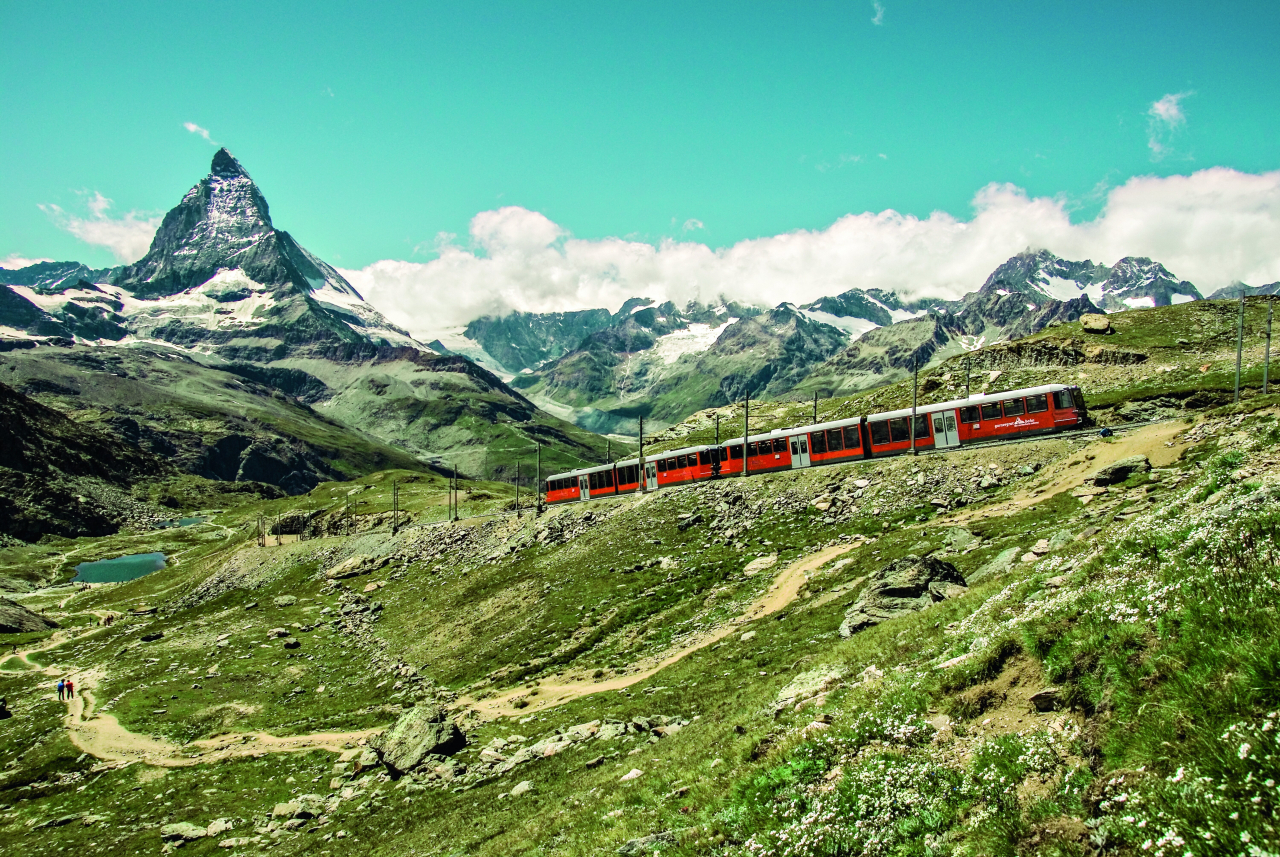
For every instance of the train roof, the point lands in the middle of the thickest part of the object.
(625, 462)
(972, 400)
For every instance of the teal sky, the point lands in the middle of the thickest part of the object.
(372, 128)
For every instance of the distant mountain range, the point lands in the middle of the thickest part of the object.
(226, 296)
(604, 370)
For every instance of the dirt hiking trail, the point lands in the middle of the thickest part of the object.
(1157, 442)
(559, 689)
(101, 736)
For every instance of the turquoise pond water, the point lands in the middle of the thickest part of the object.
(119, 569)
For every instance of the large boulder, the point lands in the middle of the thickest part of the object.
(421, 732)
(1121, 470)
(901, 587)
(1094, 323)
(16, 619)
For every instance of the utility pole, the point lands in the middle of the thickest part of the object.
(1239, 345)
(815, 408)
(455, 492)
(608, 451)
(1266, 361)
(395, 505)
(644, 480)
(915, 383)
(746, 407)
(717, 429)
(517, 488)
(537, 484)
(966, 376)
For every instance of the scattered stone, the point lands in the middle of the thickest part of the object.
(596, 762)
(291, 642)
(219, 826)
(522, 787)
(420, 732)
(747, 637)
(999, 564)
(236, 842)
(645, 844)
(1094, 323)
(760, 564)
(632, 774)
(1029, 557)
(151, 637)
(901, 587)
(277, 632)
(806, 685)
(182, 831)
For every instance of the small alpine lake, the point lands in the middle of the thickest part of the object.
(119, 569)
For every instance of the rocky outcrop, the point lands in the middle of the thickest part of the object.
(16, 619)
(421, 733)
(1121, 470)
(901, 587)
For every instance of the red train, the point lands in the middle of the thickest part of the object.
(1036, 410)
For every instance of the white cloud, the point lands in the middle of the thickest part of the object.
(128, 238)
(196, 129)
(1165, 118)
(692, 223)
(1212, 227)
(878, 20)
(13, 262)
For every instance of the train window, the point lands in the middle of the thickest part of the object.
(779, 444)
(608, 479)
(662, 465)
(835, 440)
(735, 452)
(1062, 399)
(818, 442)
(1014, 408)
(704, 458)
(922, 426)
(682, 461)
(1037, 404)
(633, 473)
(899, 429)
(671, 464)
(879, 433)
(969, 414)
(593, 481)
(851, 439)
(991, 411)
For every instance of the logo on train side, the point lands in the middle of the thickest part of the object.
(1017, 423)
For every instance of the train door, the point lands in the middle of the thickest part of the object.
(651, 475)
(946, 433)
(799, 451)
(584, 488)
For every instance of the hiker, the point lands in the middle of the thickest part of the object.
(62, 687)
(71, 690)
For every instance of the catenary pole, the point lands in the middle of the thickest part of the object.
(644, 477)
(1266, 360)
(815, 408)
(966, 376)
(915, 383)
(717, 429)
(537, 482)
(746, 407)
(1239, 345)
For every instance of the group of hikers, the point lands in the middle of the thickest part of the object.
(66, 690)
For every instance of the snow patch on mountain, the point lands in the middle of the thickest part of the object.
(852, 326)
(693, 339)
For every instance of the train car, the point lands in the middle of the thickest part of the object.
(1034, 410)
(946, 425)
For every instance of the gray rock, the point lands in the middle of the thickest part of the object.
(291, 643)
(420, 732)
(183, 831)
(645, 844)
(16, 619)
(958, 538)
(1094, 323)
(999, 564)
(285, 601)
(1121, 470)
(901, 587)
(219, 826)
(1047, 700)
(523, 787)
